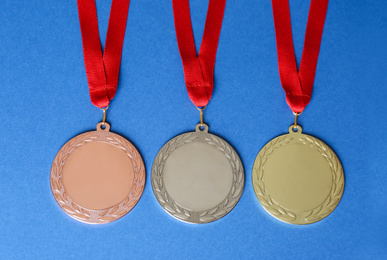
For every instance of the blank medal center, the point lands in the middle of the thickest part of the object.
(98, 175)
(198, 176)
(298, 177)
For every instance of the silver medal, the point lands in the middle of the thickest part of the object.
(197, 177)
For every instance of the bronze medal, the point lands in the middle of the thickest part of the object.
(98, 176)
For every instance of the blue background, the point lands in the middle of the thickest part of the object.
(45, 102)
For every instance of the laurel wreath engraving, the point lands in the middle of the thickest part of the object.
(179, 211)
(97, 216)
(334, 197)
(287, 215)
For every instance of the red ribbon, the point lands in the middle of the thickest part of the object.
(198, 69)
(102, 70)
(298, 86)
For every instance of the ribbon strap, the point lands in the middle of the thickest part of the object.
(102, 70)
(298, 86)
(198, 69)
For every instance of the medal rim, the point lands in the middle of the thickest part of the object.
(278, 211)
(109, 214)
(202, 216)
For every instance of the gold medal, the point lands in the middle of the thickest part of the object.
(297, 178)
(98, 176)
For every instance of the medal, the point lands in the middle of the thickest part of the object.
(198, 177)
(296, 177)
(98, 176)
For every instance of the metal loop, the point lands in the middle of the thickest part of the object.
(104, 114)
(295, 119)
(201, 114)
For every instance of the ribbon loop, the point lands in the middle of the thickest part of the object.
(298, 86)
(198, 69)
(102, 69)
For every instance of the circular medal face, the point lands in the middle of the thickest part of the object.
(197, 177)
(97, 177)
(297, 178)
